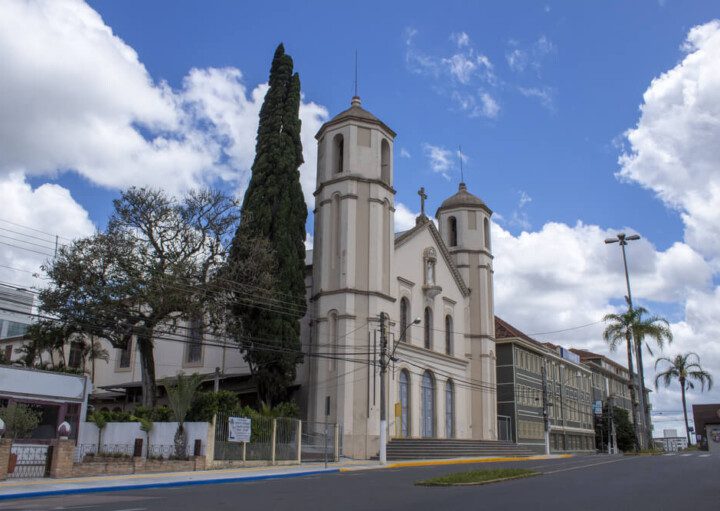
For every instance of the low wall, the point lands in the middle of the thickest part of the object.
(120, 466)
(120, 437)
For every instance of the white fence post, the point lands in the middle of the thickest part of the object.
(273, 439)
(337, 442)
(299, 441)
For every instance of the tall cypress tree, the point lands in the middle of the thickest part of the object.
(267, 322)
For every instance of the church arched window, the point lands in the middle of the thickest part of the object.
(428, 405)
(452, 231)
(448, 334)
(385, 161)
(404, 391)
(338, 153)
(486, 232)
(428, 328)
(449, 409)
(404, 315)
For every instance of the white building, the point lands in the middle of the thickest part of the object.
(444, 379)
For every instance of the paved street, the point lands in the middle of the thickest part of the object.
(583, 483)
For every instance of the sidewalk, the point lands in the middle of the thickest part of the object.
(29, 488)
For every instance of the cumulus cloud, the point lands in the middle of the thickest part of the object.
(404, 217)
(29, 221)
(674, 149)
(98, 112)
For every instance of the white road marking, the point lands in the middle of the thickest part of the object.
(132, 509)
(685, 455)
(585, 466)
(705, 455)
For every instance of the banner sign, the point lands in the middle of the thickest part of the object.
(238, 429)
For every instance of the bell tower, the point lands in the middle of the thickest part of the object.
(352, 271)
(464, 225)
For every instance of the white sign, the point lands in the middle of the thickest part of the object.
(238, 429)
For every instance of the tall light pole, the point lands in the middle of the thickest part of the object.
(623, 239)
(384, 358)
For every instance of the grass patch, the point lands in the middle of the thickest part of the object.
(478, 477)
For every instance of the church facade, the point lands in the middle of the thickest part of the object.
(433, 284)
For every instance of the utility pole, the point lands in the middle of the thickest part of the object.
(638, 421)
(383, 405)
(546, 415)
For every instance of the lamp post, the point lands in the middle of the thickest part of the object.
(383, 369)
(623, 239)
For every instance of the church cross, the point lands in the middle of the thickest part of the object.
(423, 197)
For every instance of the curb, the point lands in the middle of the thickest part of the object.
(168, 484)
(464, 461)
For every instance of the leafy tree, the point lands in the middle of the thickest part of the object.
(20, 420)
(267, 328)
(100, 419)
(685, 368)
(156, 264)
(181, 393)
(93, 350)
(623, 429)
(208, 404)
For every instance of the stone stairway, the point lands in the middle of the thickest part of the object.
(436, 448)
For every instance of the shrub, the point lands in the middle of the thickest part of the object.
(20, 420)
(207, 404)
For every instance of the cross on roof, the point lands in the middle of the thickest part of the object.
(423, 197)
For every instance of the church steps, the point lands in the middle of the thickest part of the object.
(429, 448)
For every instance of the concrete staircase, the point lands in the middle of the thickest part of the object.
(436, 448)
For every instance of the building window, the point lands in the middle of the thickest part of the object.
(452, 231)
(428, 405)
(448, 335)
(486, 232)
(404, 318)
(428, 328)
(76, 356)
(404, 392)
(385, 161)
(332, 340)
(449, 410)
(125, 355)
(338, 153)
(15, 329)
(194, 347)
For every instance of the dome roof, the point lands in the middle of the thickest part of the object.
(357, 113)
(462, 199)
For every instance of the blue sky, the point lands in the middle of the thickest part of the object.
(550, 101)
(563, 156)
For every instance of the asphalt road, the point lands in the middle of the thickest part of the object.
(679, 482)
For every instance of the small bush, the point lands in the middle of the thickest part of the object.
(20, 420)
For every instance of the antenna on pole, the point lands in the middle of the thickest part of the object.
(356, 75)
(460, 154)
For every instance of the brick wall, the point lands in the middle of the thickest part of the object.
(5, 444)
(119, 466)
(63, 452)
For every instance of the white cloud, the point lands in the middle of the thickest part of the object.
(675, 148)
(26, 212)
(490, 107)
(543, 94)
(440, 159)
(98, 112)
(461, 75)
(404, 217)
(461, 39)
(404, 153)
(519, 58)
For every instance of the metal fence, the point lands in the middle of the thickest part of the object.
(277, 439)
(30, 460)
(321, 441)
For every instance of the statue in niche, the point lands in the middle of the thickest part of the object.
(430, 286)
(430, 272)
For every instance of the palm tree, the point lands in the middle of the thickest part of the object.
(181, 393)
(685, 370)
(653, 328)
(94, 351)
(619, 330)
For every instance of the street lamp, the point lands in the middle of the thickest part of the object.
(622, 239)
(383, 370)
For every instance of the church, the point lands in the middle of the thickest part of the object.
(433, 284)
